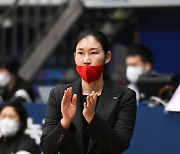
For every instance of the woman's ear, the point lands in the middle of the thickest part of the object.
(108, 57)
(75, 57)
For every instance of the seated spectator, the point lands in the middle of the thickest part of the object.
(139, 61)
(13, 122)
(11, 85)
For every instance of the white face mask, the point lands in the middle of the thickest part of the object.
(4, 79)
(8, 127)
(133, 73)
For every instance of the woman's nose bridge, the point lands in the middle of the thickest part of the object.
(87, 58)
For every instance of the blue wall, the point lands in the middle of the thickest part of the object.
(156, 132)
(160, 31)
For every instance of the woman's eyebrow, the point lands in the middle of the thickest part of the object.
(94, 48)
(80, 48)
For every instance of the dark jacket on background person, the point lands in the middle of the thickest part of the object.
(16, 87)
(109, 132)
(19, 85)
(17, 143)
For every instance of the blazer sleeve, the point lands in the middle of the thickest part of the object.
(54, 137)
(115, 134)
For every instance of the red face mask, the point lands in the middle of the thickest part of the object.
(90, 73)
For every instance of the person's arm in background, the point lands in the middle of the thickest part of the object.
(24, 89)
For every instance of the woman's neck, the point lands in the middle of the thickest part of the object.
(96, 86)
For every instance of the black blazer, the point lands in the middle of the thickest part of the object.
(110, 130)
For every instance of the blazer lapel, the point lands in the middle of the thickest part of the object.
(77, 120)
(106, 104)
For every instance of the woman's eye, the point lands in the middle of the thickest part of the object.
(94, 52)
(80, 53)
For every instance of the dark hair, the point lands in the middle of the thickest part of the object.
(143, 51)
(20, 110)
(100, 37)
(10, 63)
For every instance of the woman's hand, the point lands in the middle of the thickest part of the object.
(89, 107)
(68, 107)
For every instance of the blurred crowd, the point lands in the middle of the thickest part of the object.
(14, 91)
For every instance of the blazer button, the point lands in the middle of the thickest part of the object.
(58, 141)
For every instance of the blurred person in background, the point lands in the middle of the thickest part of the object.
(13, 122)
(11, 85)
(92, 115)
(139, 60)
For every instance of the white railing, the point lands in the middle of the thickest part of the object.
(130, 3)
(21, 26)
(33, 2)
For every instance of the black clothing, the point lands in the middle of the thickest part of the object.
(17, 143)
(109, 132)
(20, 84)
(85, 123)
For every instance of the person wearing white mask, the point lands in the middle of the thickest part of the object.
(139, 61)
(11, 84)
(13, 122)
